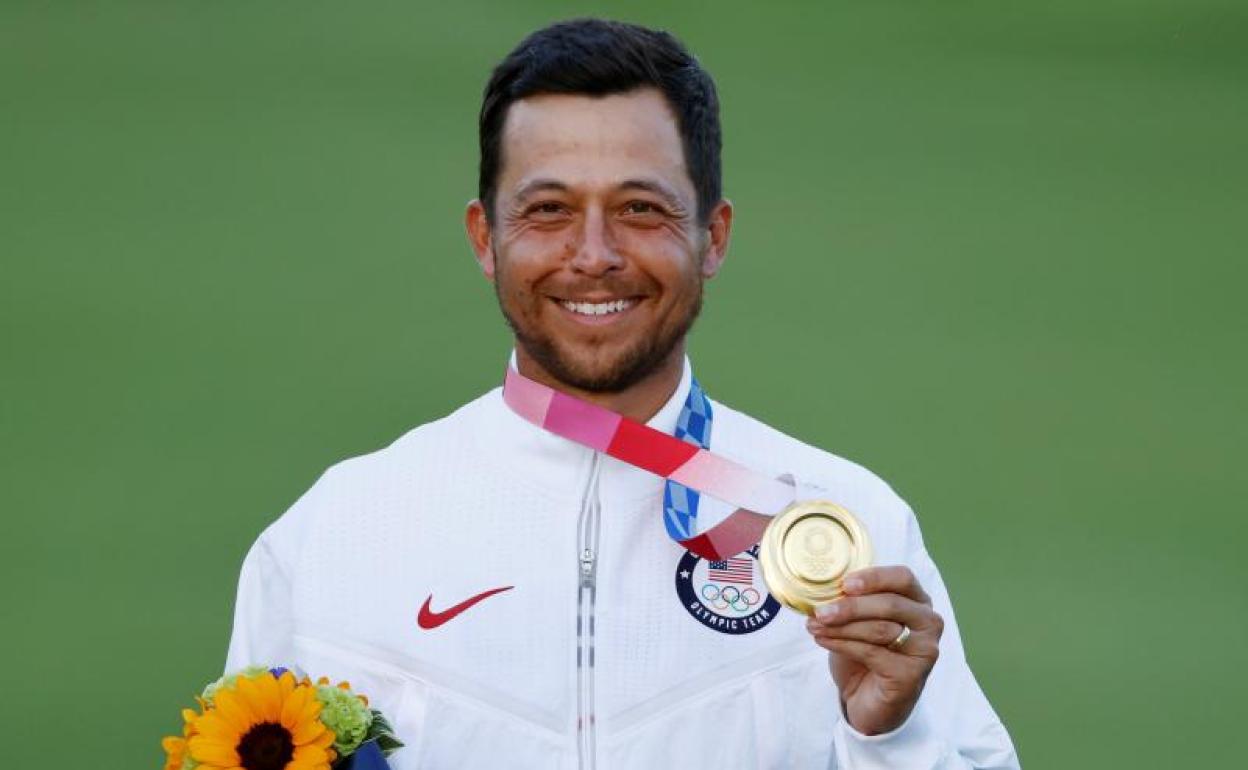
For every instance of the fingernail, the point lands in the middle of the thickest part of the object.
(826, 611)
(853, 584)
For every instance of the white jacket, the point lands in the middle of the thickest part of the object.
(594, 658)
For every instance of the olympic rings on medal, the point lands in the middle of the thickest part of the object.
(730, 597)
(710, 592)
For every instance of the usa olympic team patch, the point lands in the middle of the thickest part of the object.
(728, 596)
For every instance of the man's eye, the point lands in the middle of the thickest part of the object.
(546, 208)
(641, 207)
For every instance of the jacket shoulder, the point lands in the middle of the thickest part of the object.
(354, 484)
(758, 445)
(420, 449)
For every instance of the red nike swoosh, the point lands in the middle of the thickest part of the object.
(428, 619)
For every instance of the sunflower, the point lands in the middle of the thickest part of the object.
(263, 723)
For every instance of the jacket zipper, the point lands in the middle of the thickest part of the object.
(587, 589)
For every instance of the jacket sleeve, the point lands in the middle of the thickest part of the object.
(264, 608)
(952, 727)
(262, 612)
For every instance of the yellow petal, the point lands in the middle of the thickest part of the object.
(211, 752)
(313, 704)
(232, 709)
(306, 753)
(325, 739)
(269, 695)
(310, 757)
(249, 695)
(213, 727)
(307, 732)
(293, 707)
(311, 712)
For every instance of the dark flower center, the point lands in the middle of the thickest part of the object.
(267, 746)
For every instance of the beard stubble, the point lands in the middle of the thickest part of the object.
(636, 362)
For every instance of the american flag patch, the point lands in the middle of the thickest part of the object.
(739, 569)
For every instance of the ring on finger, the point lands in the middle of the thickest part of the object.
(901, 639)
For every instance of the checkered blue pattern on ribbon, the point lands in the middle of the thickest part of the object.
(680, 503)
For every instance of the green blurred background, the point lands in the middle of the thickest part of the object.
(992, 250)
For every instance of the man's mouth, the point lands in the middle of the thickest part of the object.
(598, 308)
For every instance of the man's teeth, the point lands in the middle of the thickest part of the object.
(598, 308)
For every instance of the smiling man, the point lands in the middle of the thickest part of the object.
(597, 243)
(514, 584)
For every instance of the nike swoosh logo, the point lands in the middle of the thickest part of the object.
(428, 619)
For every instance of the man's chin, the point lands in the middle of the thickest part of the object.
(596, 371)
(597, 377)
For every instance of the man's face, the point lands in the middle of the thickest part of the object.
(594, 245)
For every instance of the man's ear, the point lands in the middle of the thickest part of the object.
(477, 225)
(719, 228)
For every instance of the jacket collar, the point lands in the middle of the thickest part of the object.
(560, 466)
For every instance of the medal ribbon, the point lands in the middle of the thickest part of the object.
(680, 503)
(758, 497)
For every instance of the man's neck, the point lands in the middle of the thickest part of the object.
(640, 401)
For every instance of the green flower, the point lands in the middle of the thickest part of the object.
(345, 713)
(229, 680)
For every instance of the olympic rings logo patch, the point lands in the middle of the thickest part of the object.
(728, 596)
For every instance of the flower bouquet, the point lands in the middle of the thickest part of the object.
(269, 719)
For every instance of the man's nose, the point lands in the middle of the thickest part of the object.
(596, 253)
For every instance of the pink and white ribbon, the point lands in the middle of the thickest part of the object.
(758, 497)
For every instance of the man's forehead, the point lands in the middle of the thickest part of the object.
(593, 141)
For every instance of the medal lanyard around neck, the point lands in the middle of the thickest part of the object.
(686, 466)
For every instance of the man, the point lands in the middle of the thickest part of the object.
(510, 596)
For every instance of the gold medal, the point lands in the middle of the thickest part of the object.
(807, 550)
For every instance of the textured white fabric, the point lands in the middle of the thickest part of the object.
(482, 499)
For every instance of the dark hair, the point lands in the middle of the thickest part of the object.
(599, 57)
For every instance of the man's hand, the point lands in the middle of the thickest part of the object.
(879, 684)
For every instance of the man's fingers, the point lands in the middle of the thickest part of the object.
(893, 580)
(917, 646)
(872, 656)
(869, 631)
(894, 607)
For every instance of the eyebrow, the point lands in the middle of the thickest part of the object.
(538, 185)
(668, 195)
(543, 184)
